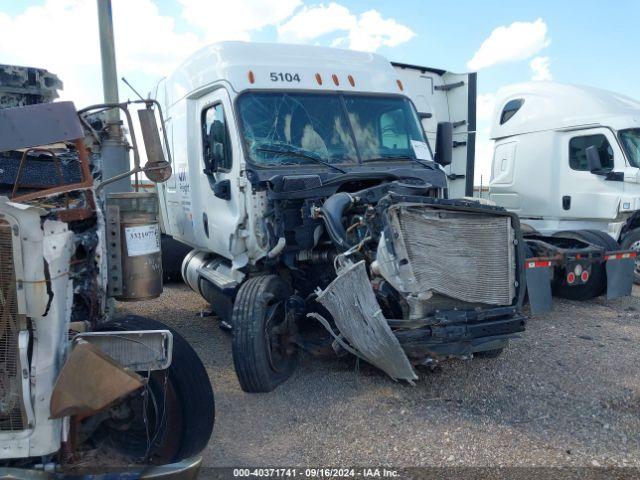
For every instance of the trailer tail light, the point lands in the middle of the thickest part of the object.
(318, 79)
(538, 264)
(584, 276)
(335, 79)
(571, 277)
(620, 256)
(252, 77)
(400, 86)
(352, 82)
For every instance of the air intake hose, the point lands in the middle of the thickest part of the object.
(332, 211)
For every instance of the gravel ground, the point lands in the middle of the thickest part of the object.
(566, 394)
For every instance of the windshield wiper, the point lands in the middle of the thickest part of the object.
(398, 157)
(298, 154)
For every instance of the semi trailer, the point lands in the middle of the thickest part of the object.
(319, 214)
(567, 159)
(569, 235)
(85, 390)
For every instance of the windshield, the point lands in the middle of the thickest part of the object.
(284, 128)
(630, 140)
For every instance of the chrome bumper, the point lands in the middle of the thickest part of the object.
(185, 470)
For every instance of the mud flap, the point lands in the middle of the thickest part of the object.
(353, 306)
(620, 274)
(538, 276)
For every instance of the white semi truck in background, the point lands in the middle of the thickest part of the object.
(567, 158)
(559, 194)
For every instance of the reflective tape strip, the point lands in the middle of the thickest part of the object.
(620, 256)
(538, 264)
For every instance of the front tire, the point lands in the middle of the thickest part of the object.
(263, 353)
(631, 241)
(178, 410)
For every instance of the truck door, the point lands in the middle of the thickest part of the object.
(441, 96)
(218, 202)
(584, 195)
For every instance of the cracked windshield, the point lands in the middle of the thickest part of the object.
(290, 129)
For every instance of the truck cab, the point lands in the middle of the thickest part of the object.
(306, 185)
(541, 168)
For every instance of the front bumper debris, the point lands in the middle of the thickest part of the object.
(353, 306)
(187, 469)
(393, 345)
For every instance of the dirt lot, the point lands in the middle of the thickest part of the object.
(566, 393)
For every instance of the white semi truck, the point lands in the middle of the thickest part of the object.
(567, 158)
(311, 195)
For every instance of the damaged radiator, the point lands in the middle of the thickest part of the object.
(463, 255)
(12, 413)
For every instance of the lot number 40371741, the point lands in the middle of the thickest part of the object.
(284, 77)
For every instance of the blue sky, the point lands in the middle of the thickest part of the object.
(586, 42)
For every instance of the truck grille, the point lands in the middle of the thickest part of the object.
(463, 255)
(12, 413)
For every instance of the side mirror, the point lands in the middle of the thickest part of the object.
(593, 160)
(157, 169)
(444, 143)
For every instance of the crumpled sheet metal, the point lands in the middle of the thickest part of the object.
(89, 382)
(353, 306)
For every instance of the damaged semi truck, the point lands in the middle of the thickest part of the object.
(317, 208)
(80, 385)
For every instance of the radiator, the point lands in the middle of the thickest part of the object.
(12, 411)
(463, 255)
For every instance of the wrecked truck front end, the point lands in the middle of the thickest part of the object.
(82, 390)
(447, 281)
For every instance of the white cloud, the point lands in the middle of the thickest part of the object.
(313, 22)
(368, 31)
(373, 31)
(62, 36)
(540, 67)
(235, 19)
(518, 41)
(485, 104)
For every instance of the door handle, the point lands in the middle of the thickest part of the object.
(222, 189)
(566, 202)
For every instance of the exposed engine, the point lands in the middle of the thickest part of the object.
(391, 258)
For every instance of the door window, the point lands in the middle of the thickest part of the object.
(216, 147)
(578, 147)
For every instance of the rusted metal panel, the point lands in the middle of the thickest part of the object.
(89, 382)
(36, 125)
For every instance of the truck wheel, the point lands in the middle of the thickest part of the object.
(597, 283)
(631, 241)
(173, 418)
(263, 355)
